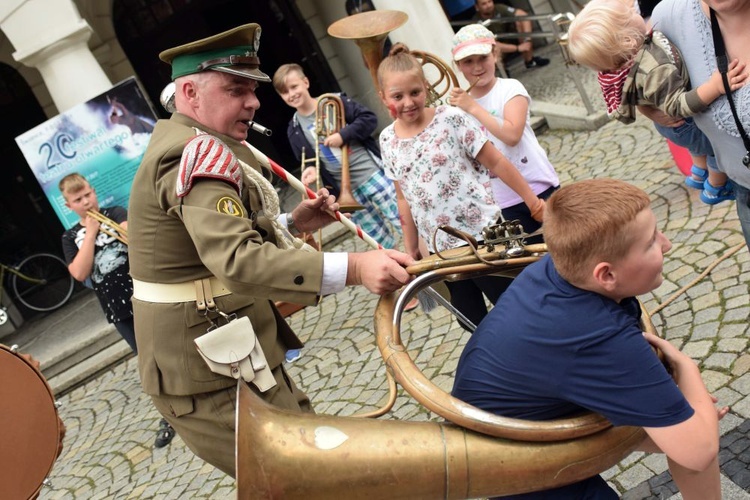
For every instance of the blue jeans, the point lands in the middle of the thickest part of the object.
(689, 136)
(522, 213)
(743, 209)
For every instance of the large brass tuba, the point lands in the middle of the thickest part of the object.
(330, 119)
(281, 454)
(369, 31)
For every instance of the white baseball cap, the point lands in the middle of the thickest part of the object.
(472, 40)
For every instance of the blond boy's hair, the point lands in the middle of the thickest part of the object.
(603, 35)
(72, 183)
(586, 223)
(279, 77)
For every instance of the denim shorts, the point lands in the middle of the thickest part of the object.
(689, 136)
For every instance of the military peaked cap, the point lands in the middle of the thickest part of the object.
(234, 51)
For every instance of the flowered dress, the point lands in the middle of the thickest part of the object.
(440, 177)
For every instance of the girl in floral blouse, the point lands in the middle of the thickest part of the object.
(437, 158)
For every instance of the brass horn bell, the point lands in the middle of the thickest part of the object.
(369, 31)
(287, 455)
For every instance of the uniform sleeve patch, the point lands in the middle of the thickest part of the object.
(229, 206)
(206, 156)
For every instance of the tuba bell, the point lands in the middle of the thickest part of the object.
(282, 454)
(369, 31)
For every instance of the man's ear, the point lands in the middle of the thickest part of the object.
(189, 91)
(604, 276)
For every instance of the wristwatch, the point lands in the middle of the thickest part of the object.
(290, 224)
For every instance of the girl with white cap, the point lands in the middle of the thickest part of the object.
(502, 106)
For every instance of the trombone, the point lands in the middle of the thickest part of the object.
(329, 120)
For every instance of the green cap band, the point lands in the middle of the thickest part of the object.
(187, 64)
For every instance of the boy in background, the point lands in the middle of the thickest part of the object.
(575, 342)
(371, 188)
(97, 251)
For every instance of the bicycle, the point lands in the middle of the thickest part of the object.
(41, 282)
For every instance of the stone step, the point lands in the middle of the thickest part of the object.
(538, 124)
(90, 367)
(81, 348)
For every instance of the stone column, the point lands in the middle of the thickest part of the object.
(50, 35)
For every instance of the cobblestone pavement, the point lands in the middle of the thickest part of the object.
(111, 424)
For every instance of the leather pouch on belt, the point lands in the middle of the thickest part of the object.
(233, 350)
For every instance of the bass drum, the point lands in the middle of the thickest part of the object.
(29, 427)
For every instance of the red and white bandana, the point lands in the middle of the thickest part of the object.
(207, 156)
(611, 83)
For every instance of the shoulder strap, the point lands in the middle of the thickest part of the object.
(723, 64)
(207, 156)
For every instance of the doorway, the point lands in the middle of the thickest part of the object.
(27, 221)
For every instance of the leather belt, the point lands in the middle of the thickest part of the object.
(166, 293)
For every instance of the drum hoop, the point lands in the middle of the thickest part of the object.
(29, 425)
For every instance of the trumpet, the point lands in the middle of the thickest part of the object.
(121, 233)
(329, 119)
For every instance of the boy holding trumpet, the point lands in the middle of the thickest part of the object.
(96, 248)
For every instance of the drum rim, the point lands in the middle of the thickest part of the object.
(34, 473)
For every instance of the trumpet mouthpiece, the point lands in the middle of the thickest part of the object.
(260, 128)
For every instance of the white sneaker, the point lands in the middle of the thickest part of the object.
(293, 355)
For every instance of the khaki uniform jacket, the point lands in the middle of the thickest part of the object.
(173, 240)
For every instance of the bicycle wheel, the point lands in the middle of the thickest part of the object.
(42, 282)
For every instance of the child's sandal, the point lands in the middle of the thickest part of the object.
(712, 195)
(700, 174)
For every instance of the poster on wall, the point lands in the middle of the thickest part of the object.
(102, 139)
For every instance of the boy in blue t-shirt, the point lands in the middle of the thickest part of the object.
(575, 342)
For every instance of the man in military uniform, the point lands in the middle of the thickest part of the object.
(197, 212)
